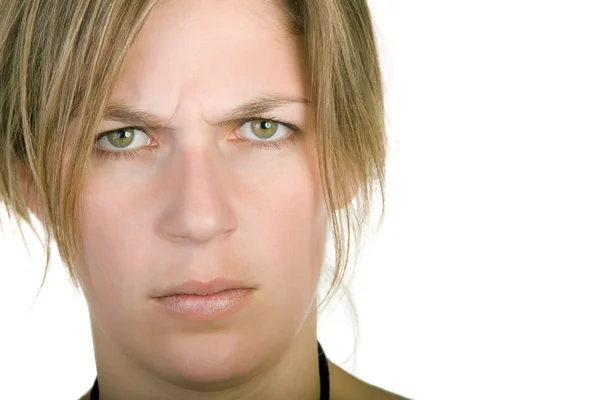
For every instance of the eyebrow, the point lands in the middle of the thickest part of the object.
(251, 109)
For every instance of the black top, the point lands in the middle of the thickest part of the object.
(323, 375)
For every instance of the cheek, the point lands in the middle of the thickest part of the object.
(292, 228)
(288, 230)
(114, 243)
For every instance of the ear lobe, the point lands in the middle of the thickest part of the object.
(23, 178)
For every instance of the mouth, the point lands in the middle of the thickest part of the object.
(205, 307)
(200, 288)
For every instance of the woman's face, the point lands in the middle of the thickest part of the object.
(200, 197)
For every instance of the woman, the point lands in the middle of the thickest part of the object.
(188, 159)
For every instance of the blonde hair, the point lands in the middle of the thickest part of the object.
(59, 59)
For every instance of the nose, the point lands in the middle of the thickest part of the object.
(198, 204)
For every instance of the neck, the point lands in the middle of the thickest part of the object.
(293, 375)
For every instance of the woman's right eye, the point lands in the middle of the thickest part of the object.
(120, 139)
(107, 142)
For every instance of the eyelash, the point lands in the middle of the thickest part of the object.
(260, 144)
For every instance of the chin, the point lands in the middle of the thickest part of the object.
(207, 362)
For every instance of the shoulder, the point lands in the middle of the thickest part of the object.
(345, 386)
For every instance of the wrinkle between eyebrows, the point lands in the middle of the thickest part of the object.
(257, 106)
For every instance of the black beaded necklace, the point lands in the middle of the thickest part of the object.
(323, 374)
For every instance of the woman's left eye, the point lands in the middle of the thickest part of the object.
(265, 130)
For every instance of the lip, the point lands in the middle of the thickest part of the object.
(204, 308)
(195, 287)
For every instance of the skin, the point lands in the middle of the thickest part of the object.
(197, 202)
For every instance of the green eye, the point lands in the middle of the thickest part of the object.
(264, 128)
(121, 138)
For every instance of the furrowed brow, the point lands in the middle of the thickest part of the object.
(253, 108)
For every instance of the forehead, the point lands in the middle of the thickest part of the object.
(212, 49)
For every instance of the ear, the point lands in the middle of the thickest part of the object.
(24, 179)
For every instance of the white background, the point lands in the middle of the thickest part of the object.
(483, 282)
